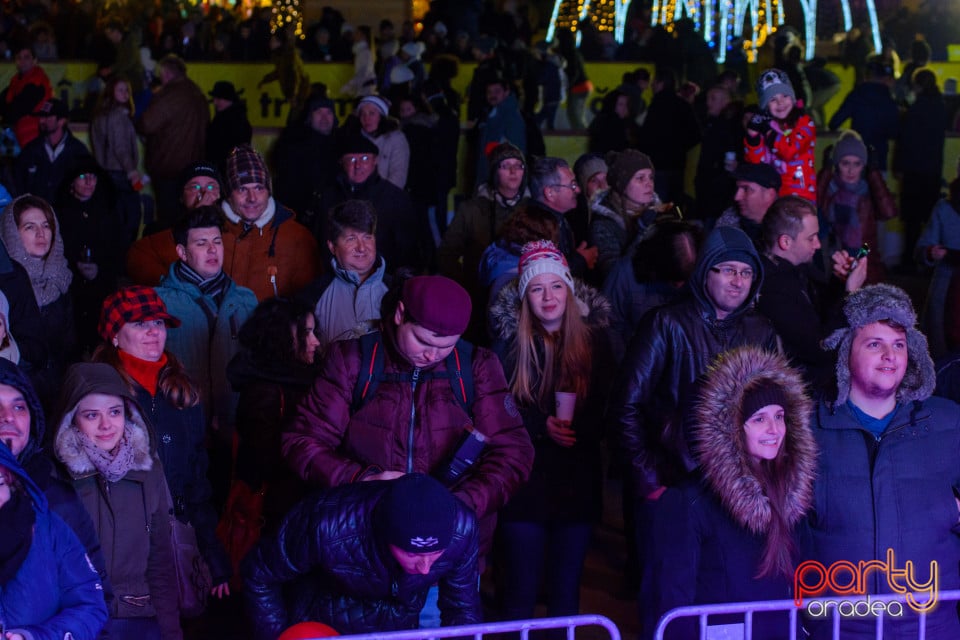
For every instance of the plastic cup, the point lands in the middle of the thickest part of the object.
(566, 402)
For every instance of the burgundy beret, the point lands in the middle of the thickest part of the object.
(438, 304)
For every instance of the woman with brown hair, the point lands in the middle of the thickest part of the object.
(732, 534)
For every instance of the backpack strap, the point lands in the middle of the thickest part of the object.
(460, 366)
(371, 369)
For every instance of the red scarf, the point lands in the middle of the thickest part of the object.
(144, 372)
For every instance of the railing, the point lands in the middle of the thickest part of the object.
(477, 631)
(748, 609)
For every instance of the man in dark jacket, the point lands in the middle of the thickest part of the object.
(305, 156)
(872, 111)
(41, 166)
(887, 478)
(230, 127)
(359, 180)
(364, 557)
(22, 428)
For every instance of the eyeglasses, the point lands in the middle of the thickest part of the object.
(573, 186)
(197, 188)
(730, 273)
(87, 176)
(519, 166)
(355, 160)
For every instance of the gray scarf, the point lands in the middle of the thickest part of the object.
(112, 466)
(50, 276)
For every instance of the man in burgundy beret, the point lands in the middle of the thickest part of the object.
(424, 396)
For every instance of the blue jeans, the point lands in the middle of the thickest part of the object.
(527, 545)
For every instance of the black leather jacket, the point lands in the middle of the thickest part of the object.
(326, 564)
(673, 346)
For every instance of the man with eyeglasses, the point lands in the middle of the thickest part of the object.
(672, 347)
(358, 179)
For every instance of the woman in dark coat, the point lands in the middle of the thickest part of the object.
(550, 339)
(133, 325)
(615, 127)
(733, 534)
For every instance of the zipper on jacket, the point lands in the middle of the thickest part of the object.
(413, 417)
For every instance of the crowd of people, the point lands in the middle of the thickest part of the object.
(356, 418)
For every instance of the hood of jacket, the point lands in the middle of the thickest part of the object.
(505, 309)
(82, 380)
(718, 428)
(721, 241)
(603, 204)
(8, 461)
(13, 376)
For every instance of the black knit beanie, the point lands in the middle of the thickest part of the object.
(417, 514)
(760, 395)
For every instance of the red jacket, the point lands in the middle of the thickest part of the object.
(25, 125)
(791, 154)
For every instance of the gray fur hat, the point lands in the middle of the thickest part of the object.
(875, 303)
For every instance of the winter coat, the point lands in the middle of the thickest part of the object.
(709, 534)
(503, 123)
(421, 133)
(874, 114)
(393, 161)
(791, 153)
(24, 317)
(345, 576)
(895, 491)
(669, 131)
(22, 97)
(922, 139)
(229, 128)
(55, 593)
(613, 230)
(344, 307)
(473, 228)
(131, 515)
(875, 205)
(114, 140)
(565, 483)
(175, 128)
(277, 256)
(364, 80)
(207, 337)
(408, 427)
(34, 171)
(670, 350)
(306, 162)
(943, 228)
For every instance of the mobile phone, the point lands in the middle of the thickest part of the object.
(861, 253)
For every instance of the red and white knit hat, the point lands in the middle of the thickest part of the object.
(539, 257)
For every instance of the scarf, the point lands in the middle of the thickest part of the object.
(112, 466)
(214, 287)
(143, 372)
(842, 212)
(259, 223)
(16, 534)
(50, 276)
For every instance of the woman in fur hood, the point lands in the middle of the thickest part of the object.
(550, 337)
(110, 454)
(732, 535)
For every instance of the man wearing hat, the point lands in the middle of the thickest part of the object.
(758, 185)
(41, 165)
(305, 155)
(265, 248)
(358, 179)
(175, 131)
(230, 127)
(672, 347)
(414, 420)
(887, 478)
(364, 556)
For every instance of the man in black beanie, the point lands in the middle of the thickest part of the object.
(363, 557)
(305, 157)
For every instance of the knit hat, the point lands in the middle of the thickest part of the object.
(416, 514)
(757, 397)
(438, 304)
(401, 74)
(772, 82)
(132, 304)
(245, 166)
(849, 144)
(355, 142)
(199, 168)
(539, 257)
(589, 165)
(759, 173)
(413, 49)
(380, 103)
(622, 165)
(875, 303)
(501, 152)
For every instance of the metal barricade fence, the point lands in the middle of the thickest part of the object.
(747, 609)
(478, 631)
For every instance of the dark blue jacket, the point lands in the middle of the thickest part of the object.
(56, 593)
(343, 575)
(873, 114)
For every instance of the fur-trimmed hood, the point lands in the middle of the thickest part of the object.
(607, 204)
(873, 304)
(718, 427)
(505, 308)
(80, 381)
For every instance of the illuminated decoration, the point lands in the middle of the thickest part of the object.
(285, 14)
(604, 15)
(871, 14)
(418, 11)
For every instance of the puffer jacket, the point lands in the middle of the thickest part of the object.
(56, 593)
(791, 153)
(613, 230)
(566, 482)
(895, 491)
(670, 350)
(408, 427)
(132, 515)
(345, 575)
(709, 534)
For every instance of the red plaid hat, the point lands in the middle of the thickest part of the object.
(132, 304)
(245, 166)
